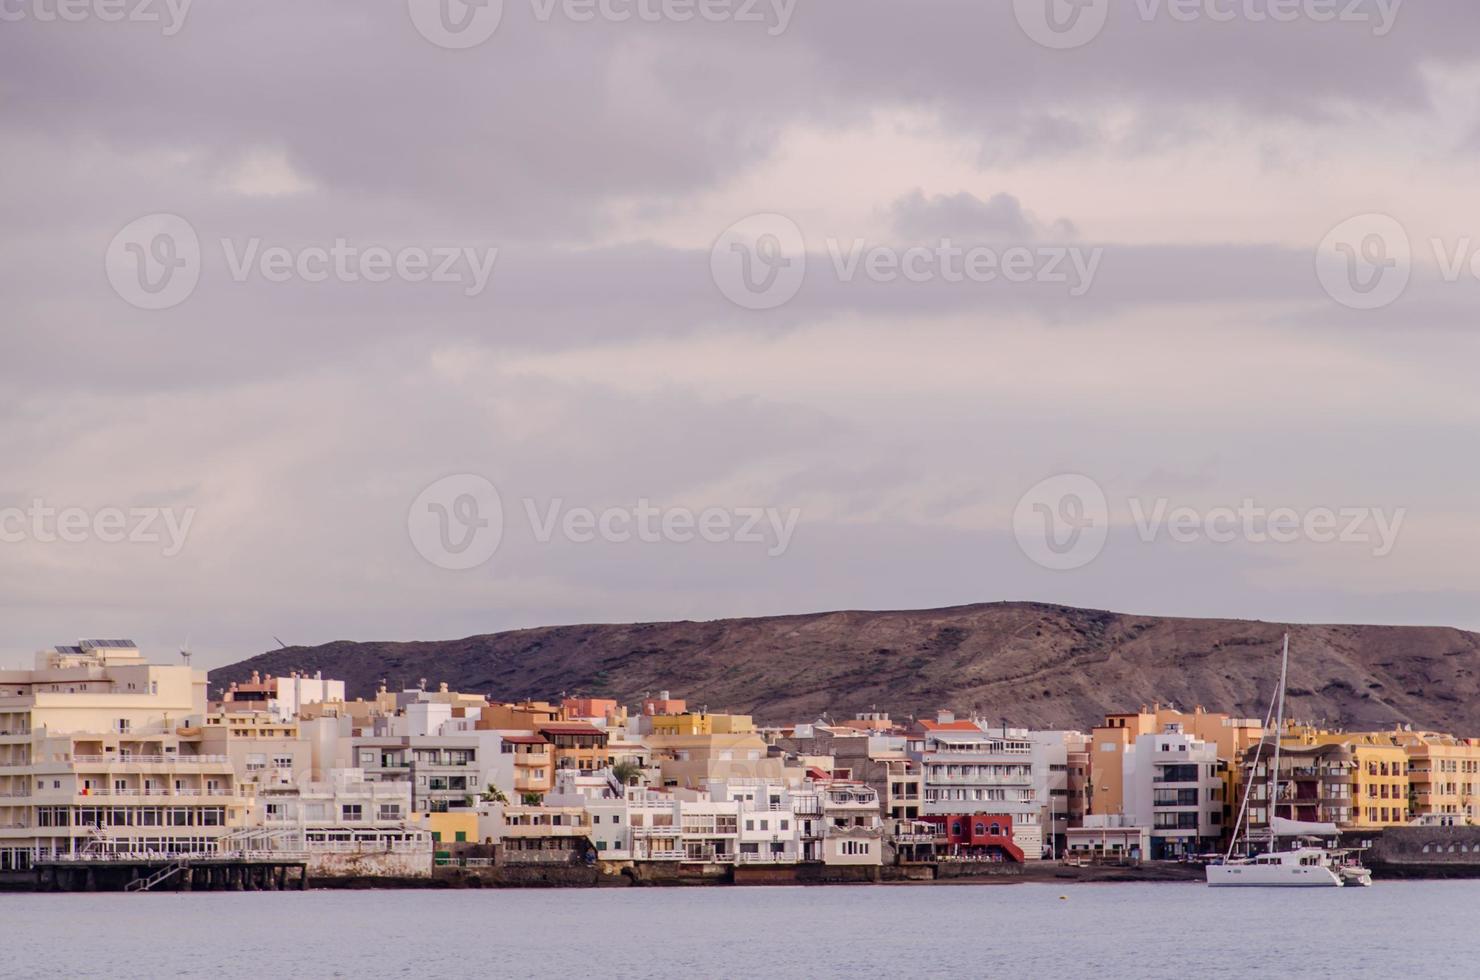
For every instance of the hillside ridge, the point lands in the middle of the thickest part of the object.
(1031, 664)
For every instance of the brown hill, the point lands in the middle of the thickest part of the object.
(1031, 664)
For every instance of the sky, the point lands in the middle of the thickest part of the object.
(419, 319)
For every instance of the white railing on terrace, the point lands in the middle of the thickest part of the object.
(369, 847)
(150, 760)
(767, 858)
(150, 793)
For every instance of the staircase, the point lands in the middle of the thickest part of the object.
(163, 874)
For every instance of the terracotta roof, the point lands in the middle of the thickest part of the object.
(949, 726)
(572, 728)
(525, 739)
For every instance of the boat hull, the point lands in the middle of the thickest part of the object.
(1271, 876)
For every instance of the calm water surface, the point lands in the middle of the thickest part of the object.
(1429, 929)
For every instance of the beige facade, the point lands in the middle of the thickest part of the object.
(94, 752)
(1443, 777)
(1109, 742)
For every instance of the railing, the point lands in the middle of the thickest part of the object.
(144, 884)
(767, 858)
(462, 862)
(368, 847)
(152, 793)
(150, 760)
(982, 780)
(666, 855)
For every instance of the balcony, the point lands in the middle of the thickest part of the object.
(158, 792)
(663, 855)
(112, 761)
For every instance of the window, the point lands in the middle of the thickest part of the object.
(350, 811)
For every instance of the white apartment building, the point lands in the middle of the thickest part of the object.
(96, 751)
(852, 830)
(1173, 786)
(682, 825)
(346, 809)
(281, 697)
(1053, 786)
(770, 815)
(445, 772)
(967, 770)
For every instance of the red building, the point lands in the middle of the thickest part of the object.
(974, 837)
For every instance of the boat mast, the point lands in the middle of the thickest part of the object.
(1279, 728)
(1239, 825)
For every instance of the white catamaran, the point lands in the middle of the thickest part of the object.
(1301, 867)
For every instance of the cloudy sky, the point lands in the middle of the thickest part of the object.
(412, 320)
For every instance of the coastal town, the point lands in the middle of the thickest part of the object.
(121, 773)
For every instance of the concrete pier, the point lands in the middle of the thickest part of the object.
(133, 873)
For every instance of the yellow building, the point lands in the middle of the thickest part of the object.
(1379, 774)
(450, 826)
(1443, 776)
(702, 723)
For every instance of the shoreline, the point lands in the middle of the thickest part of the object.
(607, 875)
